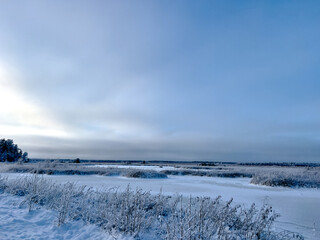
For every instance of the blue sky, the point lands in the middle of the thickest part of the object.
(173, 80)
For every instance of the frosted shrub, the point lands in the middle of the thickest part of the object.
(308, 178)
(64, 202)
(130, 211)
(55, 168)
(3, 184)
(204, 218)
(144, 174)
(36, 191)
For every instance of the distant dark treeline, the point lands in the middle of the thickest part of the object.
(131, 161)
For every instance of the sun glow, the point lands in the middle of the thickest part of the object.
(18, 115)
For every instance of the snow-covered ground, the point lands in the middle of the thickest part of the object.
(299, 208)
(18, 223)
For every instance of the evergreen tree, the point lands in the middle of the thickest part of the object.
(9, 152)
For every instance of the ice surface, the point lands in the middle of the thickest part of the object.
(154, 168)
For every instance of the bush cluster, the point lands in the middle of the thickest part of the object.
(308, 179)
(53, 168)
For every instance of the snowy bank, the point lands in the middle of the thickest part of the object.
(18, 223)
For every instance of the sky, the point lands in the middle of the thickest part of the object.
(162, 80)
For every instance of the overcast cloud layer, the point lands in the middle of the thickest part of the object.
(172, 80)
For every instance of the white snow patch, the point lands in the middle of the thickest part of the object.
(18, 223)
(154, 168)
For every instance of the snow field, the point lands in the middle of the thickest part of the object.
(139, 214)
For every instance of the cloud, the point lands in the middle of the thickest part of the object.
(155, 80)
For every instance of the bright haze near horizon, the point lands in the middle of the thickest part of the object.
(162, 80)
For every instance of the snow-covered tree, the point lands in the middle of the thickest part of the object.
(9, 152)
